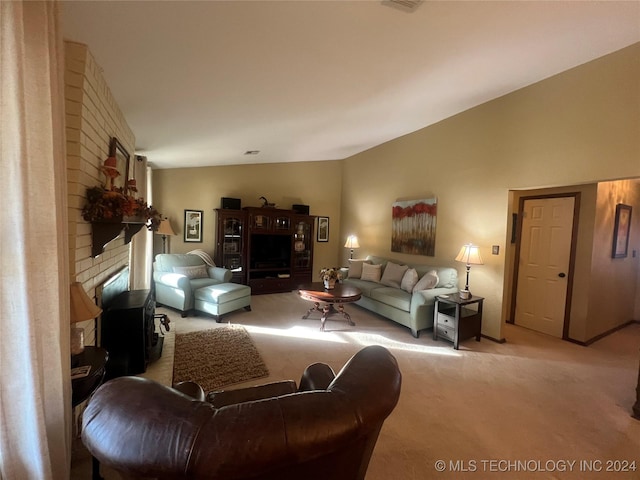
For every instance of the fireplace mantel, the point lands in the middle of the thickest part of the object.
(105, 231)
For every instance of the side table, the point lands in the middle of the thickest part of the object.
(82, 388)
(457, 319)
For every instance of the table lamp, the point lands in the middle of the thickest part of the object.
(469, 254)
(165, 229)
(352, 242)
(82, 308)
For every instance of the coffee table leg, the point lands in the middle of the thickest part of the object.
(345, 315)
(326, 310)
(316, 306)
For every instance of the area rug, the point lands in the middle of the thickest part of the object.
(217, 357)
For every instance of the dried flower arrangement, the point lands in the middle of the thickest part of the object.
(106, 205)
(332, 273)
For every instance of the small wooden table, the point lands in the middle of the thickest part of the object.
(339, 295)
(454, 320)
(83, 388)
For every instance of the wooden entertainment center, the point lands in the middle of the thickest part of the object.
(269, 249)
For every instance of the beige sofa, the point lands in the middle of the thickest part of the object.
(411, 307)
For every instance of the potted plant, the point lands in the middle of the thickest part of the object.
(330, 276)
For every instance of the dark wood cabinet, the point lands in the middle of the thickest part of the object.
(303, 237)
(269, 249)
(230, 243)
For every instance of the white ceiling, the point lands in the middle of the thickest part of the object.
(200, 83)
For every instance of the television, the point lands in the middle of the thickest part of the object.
(270, 251)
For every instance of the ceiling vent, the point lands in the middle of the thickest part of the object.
(404, 5)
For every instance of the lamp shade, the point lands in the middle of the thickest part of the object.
(352, 242)
(165, 228)
(82, 307)
(470, 254)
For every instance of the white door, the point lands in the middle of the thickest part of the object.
(545, 250)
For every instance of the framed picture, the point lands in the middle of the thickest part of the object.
(193, 226)
(117, 150)
(413, 226)
(621, 231)
(323, 229)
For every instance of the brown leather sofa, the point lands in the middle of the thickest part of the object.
(325, 429)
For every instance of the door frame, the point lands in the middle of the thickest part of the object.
(572, 256)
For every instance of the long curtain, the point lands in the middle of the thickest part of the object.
(35, 386)
(141, 252)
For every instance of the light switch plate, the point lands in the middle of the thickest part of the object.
(495, 250)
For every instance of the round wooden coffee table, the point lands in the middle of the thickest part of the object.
(338, 295)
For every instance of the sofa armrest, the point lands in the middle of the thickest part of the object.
(174, 280)
(222, 398)
(317, 376)
(428, 297)
(222, 274)
(191, 390)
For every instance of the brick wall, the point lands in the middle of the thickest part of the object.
(92, 118)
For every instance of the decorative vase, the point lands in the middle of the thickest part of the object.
(329, 283)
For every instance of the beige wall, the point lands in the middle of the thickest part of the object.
(92, 118)
(578, 127)
(317, 184)
(613, 281)
(604, 289)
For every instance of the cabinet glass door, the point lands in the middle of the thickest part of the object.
(302, 245)
(261, 222)
(282, 223)
(232, 247)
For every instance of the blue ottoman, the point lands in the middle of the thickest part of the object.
(222, 298)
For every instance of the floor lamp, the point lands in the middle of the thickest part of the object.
(165, 229)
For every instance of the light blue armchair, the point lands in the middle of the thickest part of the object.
(178, 276)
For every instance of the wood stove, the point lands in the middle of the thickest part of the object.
(128, 329)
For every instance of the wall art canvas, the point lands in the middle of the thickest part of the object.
(414, 227)
(621, 231)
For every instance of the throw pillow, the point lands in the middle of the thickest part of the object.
(197, 271)
(371, 272)
(355, 268)
(427, 282)
(393, 274)
(409, 280)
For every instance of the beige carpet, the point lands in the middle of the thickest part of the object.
(217, 358)
(533, 398)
